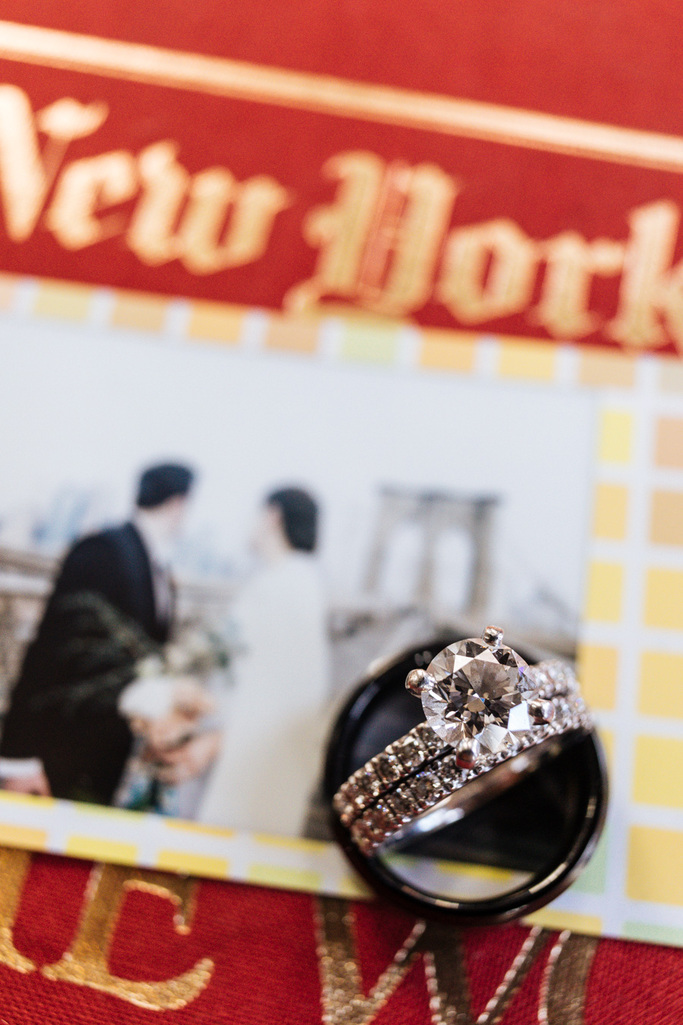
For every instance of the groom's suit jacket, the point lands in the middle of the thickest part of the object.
(100, 619)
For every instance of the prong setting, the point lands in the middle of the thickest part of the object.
(541, 712)
(417, 772)
(493, 636)
(415, 681)
(466, 754)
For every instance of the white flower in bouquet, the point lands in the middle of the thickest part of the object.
(197, 651)
(165, 710)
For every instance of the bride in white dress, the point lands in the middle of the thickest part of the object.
(271, 754)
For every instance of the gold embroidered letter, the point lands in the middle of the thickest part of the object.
(151, 233)
(26, 174)
(340, 229)
(488, 271)
(343, 999)
(649, 287)
(83, 189)
(86, 961)
(380, 239)
(571, 263)
(208, 221)
(208, 245)
(14, 866)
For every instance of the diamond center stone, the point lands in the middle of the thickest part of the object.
(475, 691)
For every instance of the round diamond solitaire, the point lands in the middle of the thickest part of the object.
(485, 707)
(474, 691)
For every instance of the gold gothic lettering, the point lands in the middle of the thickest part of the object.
(26, 174)
(86, 962)
(208, 221)
(384, 243)
(380, 239)
(488, 272)
(340, 230)
(565, 979)
(561, 995)
(83, 189)
(343, 1000)
(650, 287)
(383, 246)
(151, 234)
(208, 246)
(183, 217)
(410, 217)
(14, 866)
(572, 263)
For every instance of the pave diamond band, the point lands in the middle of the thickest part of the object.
(499, 718)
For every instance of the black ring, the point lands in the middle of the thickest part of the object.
(361, 732)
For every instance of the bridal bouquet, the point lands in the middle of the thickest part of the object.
(171, 705)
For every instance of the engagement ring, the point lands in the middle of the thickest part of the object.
(491, 718)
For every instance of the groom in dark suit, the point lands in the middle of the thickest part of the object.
(112, 605)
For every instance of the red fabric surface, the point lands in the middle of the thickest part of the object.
(262, 944)
(605, 61)
(635, 978)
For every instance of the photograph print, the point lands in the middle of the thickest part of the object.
(203, 550)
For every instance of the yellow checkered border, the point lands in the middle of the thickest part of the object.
(631, 645)
(347, 334)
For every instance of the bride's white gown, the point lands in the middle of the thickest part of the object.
(272, 748)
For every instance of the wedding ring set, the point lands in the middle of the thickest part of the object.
(491, 718)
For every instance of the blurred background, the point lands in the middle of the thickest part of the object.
(441, 501)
